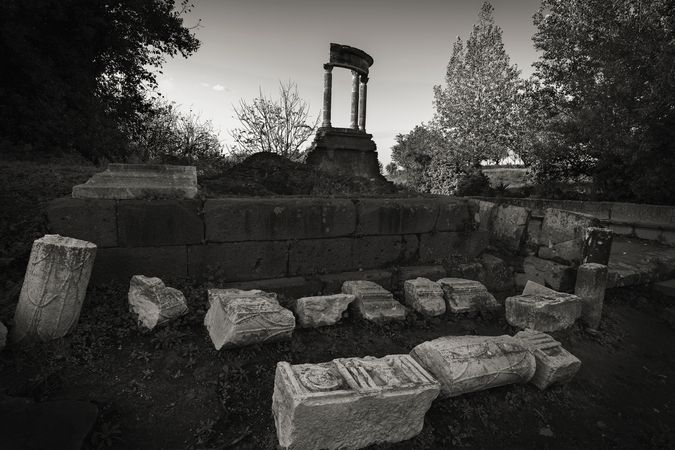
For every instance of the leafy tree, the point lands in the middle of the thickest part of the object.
(415, 151)
(280, 126)
(480, 109)
(76, 72)
(611, 66)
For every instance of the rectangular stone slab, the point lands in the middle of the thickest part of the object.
(464, 364)
(555, 365)
(350, 402)
(543, 312)
(127, 181)
(373, 302)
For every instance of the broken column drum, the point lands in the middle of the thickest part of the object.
(349, 150)
(54, 287)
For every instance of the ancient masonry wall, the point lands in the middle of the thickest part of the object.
(651, 222)
(241, 239)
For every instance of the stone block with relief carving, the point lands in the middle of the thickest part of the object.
(373, 302)
(467, 295)
(543, 312)
(424, 296)
(464, 364)
(236, 318)
(555, 365)
(350, 402)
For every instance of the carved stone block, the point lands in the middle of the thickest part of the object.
(466, 364)
(372, 301)
(424, 296)
(467, 295)
(590, 287)
(153, 303)
(236, 318)
(54, 287)
(555, 365)
(543, 312)
(350, 402)
(321, 310)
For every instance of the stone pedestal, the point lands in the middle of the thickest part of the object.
(127, 181)
(555, 365)
(543, 312)
(350, 402)
(344, 150)
(54, 287)
(152, 303)
(590, 288)
(466, 364)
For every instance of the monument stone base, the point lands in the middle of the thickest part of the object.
(345, 150)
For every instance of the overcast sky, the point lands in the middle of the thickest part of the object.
(249, 45)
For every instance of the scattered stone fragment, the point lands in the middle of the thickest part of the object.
(54, 287)
(532, 288)
(424, 296)
(467, 295)
(590, 288)
(372, 301)
(236, 318)
(497, 275)
(152, 303)
(555, 365)
(466, 364)
(3, 336)
(350, 402)
(597, 245)
(321, 310)
(543, 312)
(559, 277)
(127, 181)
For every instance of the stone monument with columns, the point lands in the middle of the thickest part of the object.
(350, 150)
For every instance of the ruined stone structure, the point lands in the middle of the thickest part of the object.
(350, 149)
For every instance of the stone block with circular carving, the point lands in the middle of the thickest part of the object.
(424, 296)
(351, 402)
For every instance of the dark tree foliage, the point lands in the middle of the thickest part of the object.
(76, 73)
(611, 65)
(414, 152)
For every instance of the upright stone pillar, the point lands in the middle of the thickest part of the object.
(53, 288)
(590, 288)
(363, 92)
(355, 100)
(597, 246)
(327, 94)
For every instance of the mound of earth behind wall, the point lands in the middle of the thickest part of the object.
(268, 174)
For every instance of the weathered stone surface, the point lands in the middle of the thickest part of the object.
(424, 296)
(237, 261)
(289, 287)
(321, 310)
(147, 223)
(441, 246)
(310, 256)
(597, 245)
(669, 316)
(532, 288)
(433, 273)
(507, 226)
(374, 252)
(332, 282)
(3, 336)
(350, 402)
(152, 303)
(666, 288)
(120, 264)
(236, 318)
(396, 216)
(498, 276)
(54, 287)
(90, 220)
(483, 213)
(466, 364)
(567, 252)
(453, 215)
(126, 181)
(560, 226)
(243, 219)
(559, 277)
(467, 295)
(372, 301)
(555, 365)
(543, 312)
(470, 271)
(533, 235)
(590, 288)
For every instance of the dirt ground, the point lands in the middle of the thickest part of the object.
(170, 389)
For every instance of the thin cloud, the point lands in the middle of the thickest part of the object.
(218, 87)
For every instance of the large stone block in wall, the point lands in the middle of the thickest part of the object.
(559, 277)
(244, 219)
(560, 226)
(496, 274)
(508, 225)
(350, 402)
(396, 216)
(238, 261)
(372, 252)
(150, 181)
(147, 223)
(466, 364)
(443, 246)
(237, 318)
(312, 256)
(54, 287)
(120, 264)
(453, 215)
(86, 219)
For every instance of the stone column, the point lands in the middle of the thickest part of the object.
(327, 94)
(363, 92)
(590, 288)
(53, 288)
(355, 100)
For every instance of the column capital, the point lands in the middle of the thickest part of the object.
(328, 67)
(364, 79)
